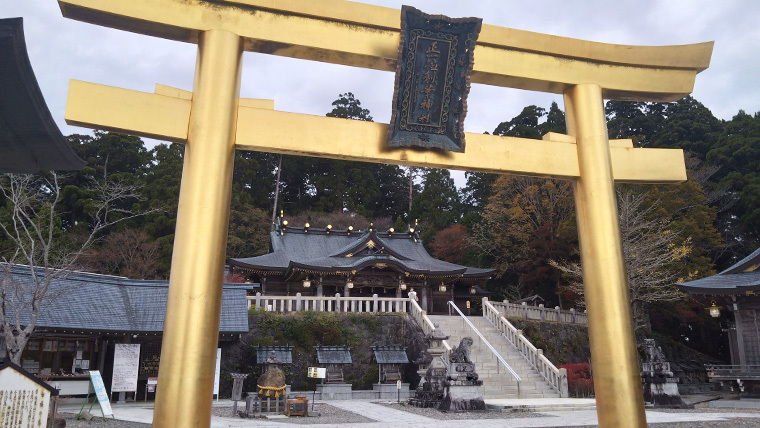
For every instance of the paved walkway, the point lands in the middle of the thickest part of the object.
(391, 418)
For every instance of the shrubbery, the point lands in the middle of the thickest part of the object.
(580, 382)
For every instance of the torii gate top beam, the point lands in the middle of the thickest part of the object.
(361, 35)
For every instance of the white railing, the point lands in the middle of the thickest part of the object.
(338, 303)
(426, 324)
(489, 346)
(374, 304)
(557, 378)
(540, 313)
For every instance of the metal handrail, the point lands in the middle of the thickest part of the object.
(488, 344)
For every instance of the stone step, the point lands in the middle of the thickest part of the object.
(545, 406)
(497, 381)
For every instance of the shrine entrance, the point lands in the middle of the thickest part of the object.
(213, 122)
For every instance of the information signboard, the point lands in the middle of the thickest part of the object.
(100, 392)
(126, 362)
(216, 373)
(317, 372)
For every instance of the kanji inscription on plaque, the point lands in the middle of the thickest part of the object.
(432, 80)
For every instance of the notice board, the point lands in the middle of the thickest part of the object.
(217, 371)
(100, 393)
(126, 362)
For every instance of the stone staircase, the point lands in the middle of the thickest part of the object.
(498, 382)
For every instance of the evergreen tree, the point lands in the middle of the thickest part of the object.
(437, 206)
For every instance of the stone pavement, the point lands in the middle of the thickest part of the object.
(391, 418)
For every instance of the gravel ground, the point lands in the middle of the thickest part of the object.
(320, 413)
(98, 422)
(445, 416)
(327, 414)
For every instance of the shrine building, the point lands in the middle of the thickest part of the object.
(359, 263)
(733, 293)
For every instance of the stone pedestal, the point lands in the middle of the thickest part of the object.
(334, 391)
(660, 385)
(463, 398)
(388, 391)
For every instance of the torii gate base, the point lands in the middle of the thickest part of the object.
(368, 36)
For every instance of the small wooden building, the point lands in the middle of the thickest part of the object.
(86, 315)
(325, 262)
(734, 294)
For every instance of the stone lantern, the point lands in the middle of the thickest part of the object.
(431, 392)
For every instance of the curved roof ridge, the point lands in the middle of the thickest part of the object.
(743, 264)
(29, 138)
(363, 242)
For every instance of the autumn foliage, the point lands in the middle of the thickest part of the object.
(580, 382)
(452, 244)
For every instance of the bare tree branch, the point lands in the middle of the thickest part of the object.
(650, 249)
(32, 224)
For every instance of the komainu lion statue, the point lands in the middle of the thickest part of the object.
(461, 353)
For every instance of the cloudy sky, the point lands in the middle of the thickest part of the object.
(61, 49)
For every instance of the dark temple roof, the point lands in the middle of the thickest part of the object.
(738, 279)
(92, 302)
(333, 354)
(302, 250)
(390, 354)
(283, 353)
(30, 141)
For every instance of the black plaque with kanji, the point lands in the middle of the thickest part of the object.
(432, 80)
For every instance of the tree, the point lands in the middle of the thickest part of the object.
(129, 252)
(437, 206)
(530, 123)
(526, 223)
(161, 191)
(736, 151)
(452, 244)
(347, 106)
(339, 220)
(249, 233)
(31, 221)
(653, 254)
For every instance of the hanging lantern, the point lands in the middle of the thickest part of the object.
(306, 283)
(402, 285)
(349, 284)
(442, 288)
(714, 310)
(473, 290)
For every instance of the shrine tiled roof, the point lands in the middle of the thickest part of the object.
(743, 276)
(283, 353)
(333, 354)
(296, 250)
(390, 354)
(92, 302)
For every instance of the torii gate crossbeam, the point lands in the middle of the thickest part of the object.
(367, 36)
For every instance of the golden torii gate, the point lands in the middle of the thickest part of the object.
(213, 122)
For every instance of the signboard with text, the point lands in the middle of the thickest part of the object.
(432, 80)
(126, 362)
(217, 371)
(100, 392)
(317, 372)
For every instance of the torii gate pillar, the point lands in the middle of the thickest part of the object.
(193, 309)
(604, 275)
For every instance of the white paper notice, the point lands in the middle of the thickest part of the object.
(126, 362)
(218, 369)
